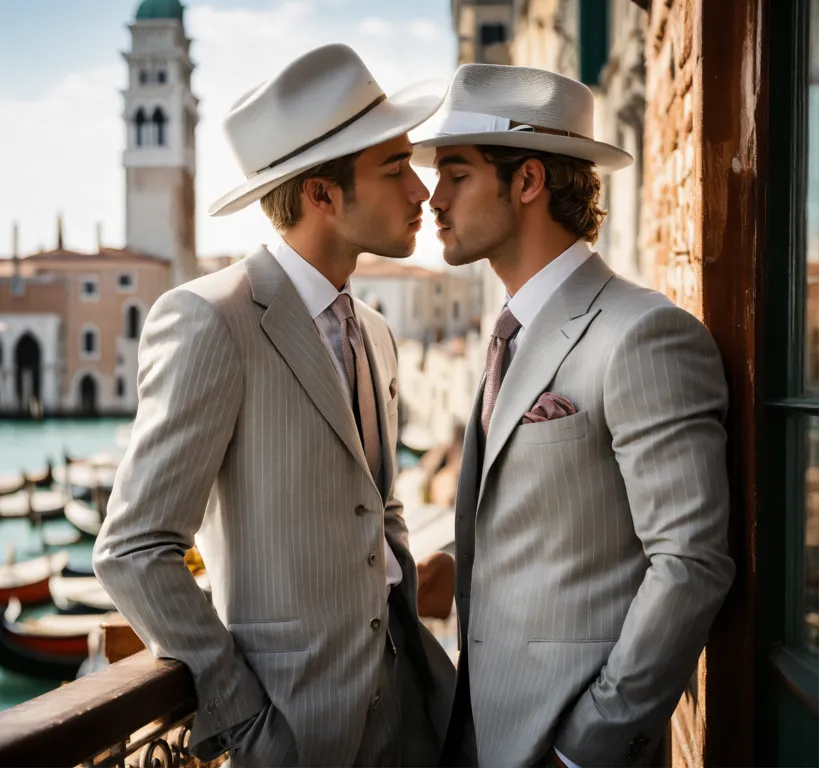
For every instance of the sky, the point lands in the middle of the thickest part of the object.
(61, 127)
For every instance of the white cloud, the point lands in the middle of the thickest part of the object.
(63, 153)
(426, 30)
(375, 27)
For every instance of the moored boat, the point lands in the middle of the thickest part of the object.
(28, 581)
(40, 505)
(57, 635)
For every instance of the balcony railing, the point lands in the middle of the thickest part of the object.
(136, 712)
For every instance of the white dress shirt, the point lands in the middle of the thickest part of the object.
(539, 288)
(526, 304)
(318, 294)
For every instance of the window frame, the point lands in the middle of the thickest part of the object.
(128, 289)
(787, 405)
(87, 297)
(95, 355)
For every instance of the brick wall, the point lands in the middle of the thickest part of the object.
(668, 214)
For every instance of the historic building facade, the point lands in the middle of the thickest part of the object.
(69, 321)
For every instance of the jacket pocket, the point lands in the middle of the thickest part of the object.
(554, 430)
(269, 636)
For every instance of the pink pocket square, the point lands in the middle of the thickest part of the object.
(548, 406)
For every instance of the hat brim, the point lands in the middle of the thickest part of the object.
(395, 116)
(605, 157)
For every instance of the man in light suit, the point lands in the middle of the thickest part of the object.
(267, 423)
(592, 506)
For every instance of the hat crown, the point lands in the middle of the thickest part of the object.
(308, 99)
(525, 95)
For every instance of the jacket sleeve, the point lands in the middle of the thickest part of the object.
(190, 391)
(665, 398)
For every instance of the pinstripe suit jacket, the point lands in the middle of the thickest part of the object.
(243, 433)
(591, 549)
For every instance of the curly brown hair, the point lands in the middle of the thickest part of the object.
(573, 183)
(282, 205)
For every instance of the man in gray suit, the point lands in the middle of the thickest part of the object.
(592, 507)
(267, 423)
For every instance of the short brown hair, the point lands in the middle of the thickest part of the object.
(282, 205)
(573, 183)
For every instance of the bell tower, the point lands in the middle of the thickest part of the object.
(160, 156)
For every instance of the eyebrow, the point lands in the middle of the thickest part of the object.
(452, 160)
(396, 158)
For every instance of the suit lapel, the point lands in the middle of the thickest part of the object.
(555, 330)
(289, 326)
(465, 501)
(387, 461)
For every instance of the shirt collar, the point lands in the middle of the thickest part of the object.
(539, 288)
(314, 289)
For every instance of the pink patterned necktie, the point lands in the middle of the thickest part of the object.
(506, 326)
(360, 380)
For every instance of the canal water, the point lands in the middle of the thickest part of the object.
(26, 446)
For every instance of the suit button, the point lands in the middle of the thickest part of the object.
(375, 624)
(371, 558)
(361, 510)
(376, 701)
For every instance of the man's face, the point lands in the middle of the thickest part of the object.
(385, 213)
(475, 216)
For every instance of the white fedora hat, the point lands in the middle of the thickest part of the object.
(518, 107)
(322, 106)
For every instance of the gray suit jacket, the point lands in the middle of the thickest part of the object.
(591, 549)
(244, 434)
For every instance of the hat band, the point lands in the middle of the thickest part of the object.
(458, 122)
(332, 132)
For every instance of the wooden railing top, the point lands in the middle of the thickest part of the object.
(69, 725)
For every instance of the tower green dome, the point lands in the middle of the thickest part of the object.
(160, 9)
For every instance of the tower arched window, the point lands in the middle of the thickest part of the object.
(143, 77)
(161, 76)
(141, 133)
(159, 121)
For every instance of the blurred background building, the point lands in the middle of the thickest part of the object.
(69, 321)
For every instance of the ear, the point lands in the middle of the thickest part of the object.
(318, 194)
(533, 180)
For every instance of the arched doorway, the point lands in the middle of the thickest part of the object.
(27, 366)
(88, 395)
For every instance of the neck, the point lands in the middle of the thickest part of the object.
(336, 261)
(532, 254)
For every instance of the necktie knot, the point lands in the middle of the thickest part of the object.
(506, 325)
(343, 307)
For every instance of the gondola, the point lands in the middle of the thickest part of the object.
(34, 504)
(32, 663)
(55, 635)
(28, 581)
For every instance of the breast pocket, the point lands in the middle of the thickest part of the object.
(554, 430)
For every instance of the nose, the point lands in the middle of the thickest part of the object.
(418, 190)
(437, 202)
